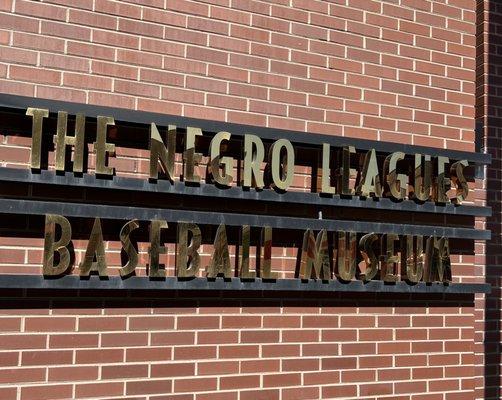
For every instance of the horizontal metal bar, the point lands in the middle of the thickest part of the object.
(8, 101)
(207, 190)
(32, 207)
(233, 284)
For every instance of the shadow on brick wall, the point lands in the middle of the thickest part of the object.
(489, 126)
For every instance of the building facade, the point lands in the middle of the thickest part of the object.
(417, 73)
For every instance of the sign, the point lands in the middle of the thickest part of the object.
(189, 160)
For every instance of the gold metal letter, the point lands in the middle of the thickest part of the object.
(437, 260)
(390, 269)
(129, 248)
(266, 254)
(220, 262)
(49, 269)
(326, 171)
(346, 172)
(459, 181)
(443, 183)
(95, 248)
(282, 176)
(38, 115)
(254, 153)
(414, 258)
(421, 189)
(187, 256)
(159, 152)
(244, 271)
(347, 255)
(190, 157)
(369, 183)
(61, 140)
(101, 148)
(155, 249)
(397, 183)
(369, 257)
(314, 262)
(216, 160)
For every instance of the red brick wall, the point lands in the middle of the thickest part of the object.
(400, 70)
(488, 117)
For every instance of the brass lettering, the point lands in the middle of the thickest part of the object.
(369, 182)
(61, 246)
(217, 161)
(369, 257)
(191, 159)
(282, 167)
(315, 256)
(129, 248)
(155, 249)
(161, 153)
(459, 181)
(244, 271)
(397, 183)
(437, 260)
(254, 154)
(421, 189)
(102, 148)
(390, 268)
(95, 249)
(443, 183)
(326, 187)
(187, 256)
(38, 115)
(266, 254)
(346, 172)
(61, 140)
(347, 255)
(220, 261)
(414, 258)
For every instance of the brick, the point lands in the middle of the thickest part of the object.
(99, 356)
(189, 353)
(35, 75)
(98, 324)
(149, 387)
(259, 336)
(46, 392)
(303, 364)
(217, 337)
(137, 58)
(22, 375)
(282, 380)
(195, 385)
(238, 351)
(87, 81)
(173, 369)
(99, 389)
(172, 338)
(198, 322)
(148, 354)
(140, 28)
(109, 69)
(209, 55)
(46, 357)
(260, 366)
(262, 394)
(221, 367)
(20, 341)
(72, 374)
(116, 39)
